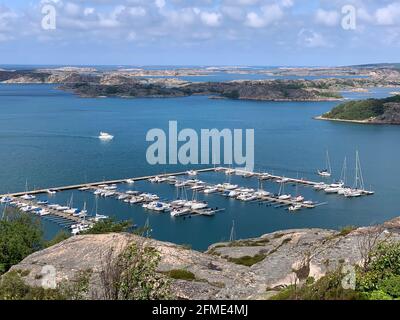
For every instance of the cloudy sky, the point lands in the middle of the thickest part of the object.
(199, 32)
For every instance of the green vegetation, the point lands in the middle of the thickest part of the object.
(248, 260)
(234, 94)
(132, 275)
(379, 279)
(181, 274)
(328, 287)
(361, 109)
(20, 235)
(329, 94)
(13, 287)
(108, 226)
(59, 237)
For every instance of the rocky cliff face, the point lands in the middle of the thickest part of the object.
(279, 259)
(391, 114)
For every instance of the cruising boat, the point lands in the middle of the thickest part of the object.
(210, 190)
(262, 193)
(27, 197)
(180, 212)
(295, 207)
(298, 199)
(105, 136)
(246, 197)
(228, 186)
(192, 173)
(230, 171)
(281, 194)
(327, 172)
(320, 186)
(198, 205)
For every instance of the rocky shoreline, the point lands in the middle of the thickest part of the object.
(254, 268)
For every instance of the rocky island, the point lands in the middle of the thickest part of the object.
(139, 83)
(372, 111)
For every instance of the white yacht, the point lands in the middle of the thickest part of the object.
(105, 136)
(180, 212)
(327, 172)
(192, 173)
(210, 190)
(27, 197)
(295, 207)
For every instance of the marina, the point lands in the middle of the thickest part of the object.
(35, 150)
(76, 219)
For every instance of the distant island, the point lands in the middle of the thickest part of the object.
(326, 84)
(373, 111)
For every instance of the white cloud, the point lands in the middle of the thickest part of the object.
(160, 4)
(268, 15)
(388, 15)
(311, 39)
(327, 18)
(211, 19)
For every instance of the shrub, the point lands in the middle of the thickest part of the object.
(109, 226)
(20, 235)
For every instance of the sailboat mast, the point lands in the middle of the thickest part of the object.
(328, 162)
(360, 176)
(232, 235)
(343, 175)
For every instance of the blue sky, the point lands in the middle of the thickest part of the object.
(200, 32)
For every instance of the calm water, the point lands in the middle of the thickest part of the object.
(48, 137)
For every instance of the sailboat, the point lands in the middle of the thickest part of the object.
(339, 186)
(358, 187)
(327, 172)
(281, 195)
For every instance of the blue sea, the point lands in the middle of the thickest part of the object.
(48, 138)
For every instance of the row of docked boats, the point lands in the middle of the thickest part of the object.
(152, 202)
(244, 194)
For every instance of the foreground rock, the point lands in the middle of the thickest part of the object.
(276, 260)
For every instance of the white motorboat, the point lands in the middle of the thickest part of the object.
(247, 197)
(262, 193)
(130, 181)
(320, 186)
(191, 173)
(233, 193)
(299, 199)
(230, 171)
(123, 196)
(327, 172)
(199, 205)
(105, 136)
(228, 186)
(51, 191)
(295, 207)
(28, 197)
(210, 190)
(180, 212)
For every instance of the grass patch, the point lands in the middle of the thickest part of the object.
(181, 274)
(248, 261)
